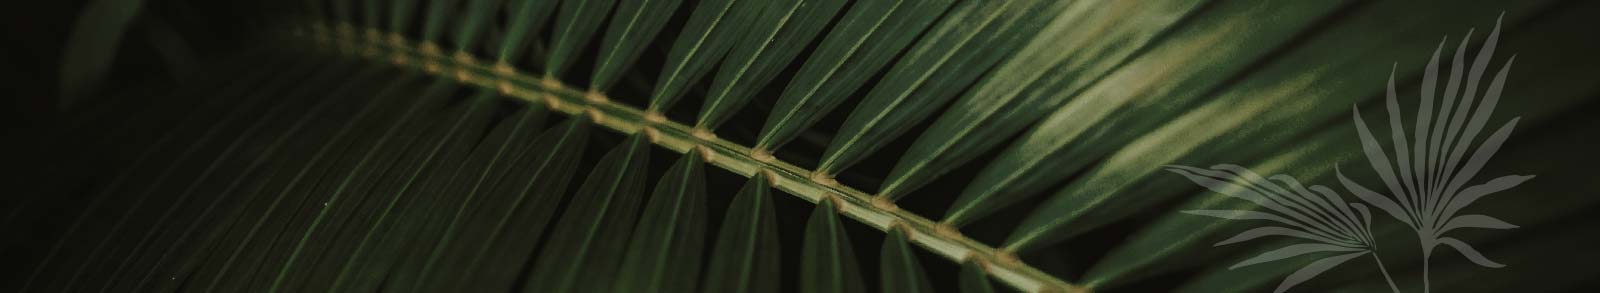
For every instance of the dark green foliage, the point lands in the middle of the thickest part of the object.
(636, 146)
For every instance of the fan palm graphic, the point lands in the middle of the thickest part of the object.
(1316, 213)
(1426, 178)
(1427, 184)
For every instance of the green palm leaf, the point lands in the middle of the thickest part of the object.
(749, 229)
(829, 264)
(590, 146)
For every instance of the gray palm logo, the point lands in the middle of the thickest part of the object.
(1316, 213)
(1426, 178)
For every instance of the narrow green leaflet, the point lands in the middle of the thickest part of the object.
(632, 30)
(523, 172)
(522, 208)
(206, 122)
(664, 252)
(860, 45)
(1129, 101)
(899, 270)
(744, 261)
(974, 279)
(473, 22)
(486, 166)
(285, 197)
(282, 194)
(712, 30)
(439, 14)
(569, 36)
(771, 43)
(592, 234)
(958, 50)
(161, 194)
(278, 130)
(827, 262)
(460, 132)
(242, 136)
(388, 104)
(1079, 46)
(320, 202)
(368, 192)
(422, 213)
(526, 18)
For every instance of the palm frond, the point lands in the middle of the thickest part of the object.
(569, 145)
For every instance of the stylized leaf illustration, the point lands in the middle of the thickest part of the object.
(1292, 251)
(1480, 158)
(1254, 215)
(1430, 177)
(1274, 231)
(1241, 183)
(1469, 252)
(1313, 213)
(1314, 269)
(1475, 192)
(1380, 163)
(1475, 221)
(1378, 200)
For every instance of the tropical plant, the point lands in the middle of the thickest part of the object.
(719, 145)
